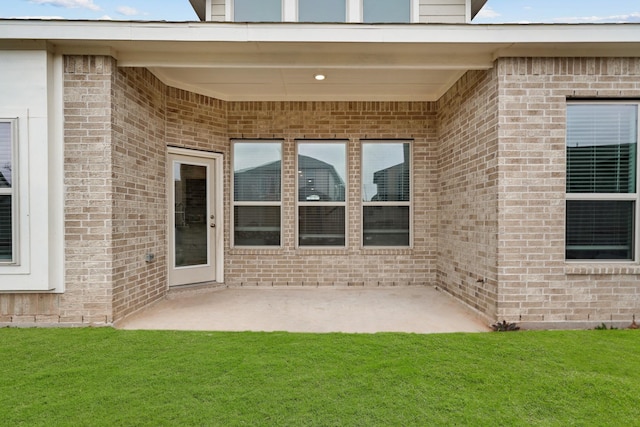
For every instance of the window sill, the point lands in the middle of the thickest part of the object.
(608, 269)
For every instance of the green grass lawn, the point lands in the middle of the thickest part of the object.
(102, 376)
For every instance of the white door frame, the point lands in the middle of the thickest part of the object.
(217, 177)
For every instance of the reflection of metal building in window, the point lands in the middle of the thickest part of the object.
(260, 183)
(3, 181)
(318, 181)
(392, 183)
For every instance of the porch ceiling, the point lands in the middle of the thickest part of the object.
(239, 62)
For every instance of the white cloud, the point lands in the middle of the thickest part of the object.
(70, 4)
(127, 11)
(105, 18)
(487, 12)
(630, 17)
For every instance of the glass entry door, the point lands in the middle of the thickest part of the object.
(193, 221)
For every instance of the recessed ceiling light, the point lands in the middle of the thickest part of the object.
(319, 77)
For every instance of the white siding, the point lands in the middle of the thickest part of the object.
(443, 11)
(218, 10)
(31, 87)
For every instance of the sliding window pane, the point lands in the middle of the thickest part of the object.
(321, 225)
(6, 155)
(385, 168)
(257, 10)
(257, 171)
(386, 226)
(6, 229)
(602, 148)
(257, 188)
(321, 172)
(256, 226)
(381, 11)
(6, 192)
(322, 11)
(600, 229)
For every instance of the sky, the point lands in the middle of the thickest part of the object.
(495, 11)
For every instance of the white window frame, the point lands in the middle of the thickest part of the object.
(235, 203)
(13, 193)
(354, 12)
(319, 203)
(33, 83)
(633, 197)
(409, 203)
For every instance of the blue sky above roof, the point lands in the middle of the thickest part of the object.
(495, 11)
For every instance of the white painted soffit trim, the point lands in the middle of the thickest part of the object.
(239, 61)
(125, 40)
(134, 31)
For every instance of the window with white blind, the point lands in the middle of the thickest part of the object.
(386, 11)
(386, 193)
(8, 187)
(322, 175)
(602, 169)
(257, 193)
(257, 10)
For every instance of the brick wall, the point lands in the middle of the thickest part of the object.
(138, 156)
(488, 191)
(468, 197)
(115, 209)
(352, 121)
(536, 285)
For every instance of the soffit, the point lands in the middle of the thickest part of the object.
(277, 61)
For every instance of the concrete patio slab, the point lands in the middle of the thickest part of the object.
(303, 309)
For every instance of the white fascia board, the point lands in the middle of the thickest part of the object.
(106, 31)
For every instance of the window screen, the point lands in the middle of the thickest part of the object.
(257, 186)
(257, 10)
(386, 194)
(398, 11)
(321, 193)
(7, 186)
(601, 207)
(322, 11)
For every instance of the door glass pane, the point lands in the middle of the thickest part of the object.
(385, 172)
(386, 11)
(256, 171)
(602, 148)
(322, 11)
(191, 230)
(257, 10)
(321, 172)
(386, 225)
(321, 226)
(600, 229)
(6, 229)
(256, 226)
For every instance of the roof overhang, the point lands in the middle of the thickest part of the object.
(476, 5)
(233, 61)
(200, 7)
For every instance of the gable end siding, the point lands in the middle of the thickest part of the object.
(443, 11)
(217, 10)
